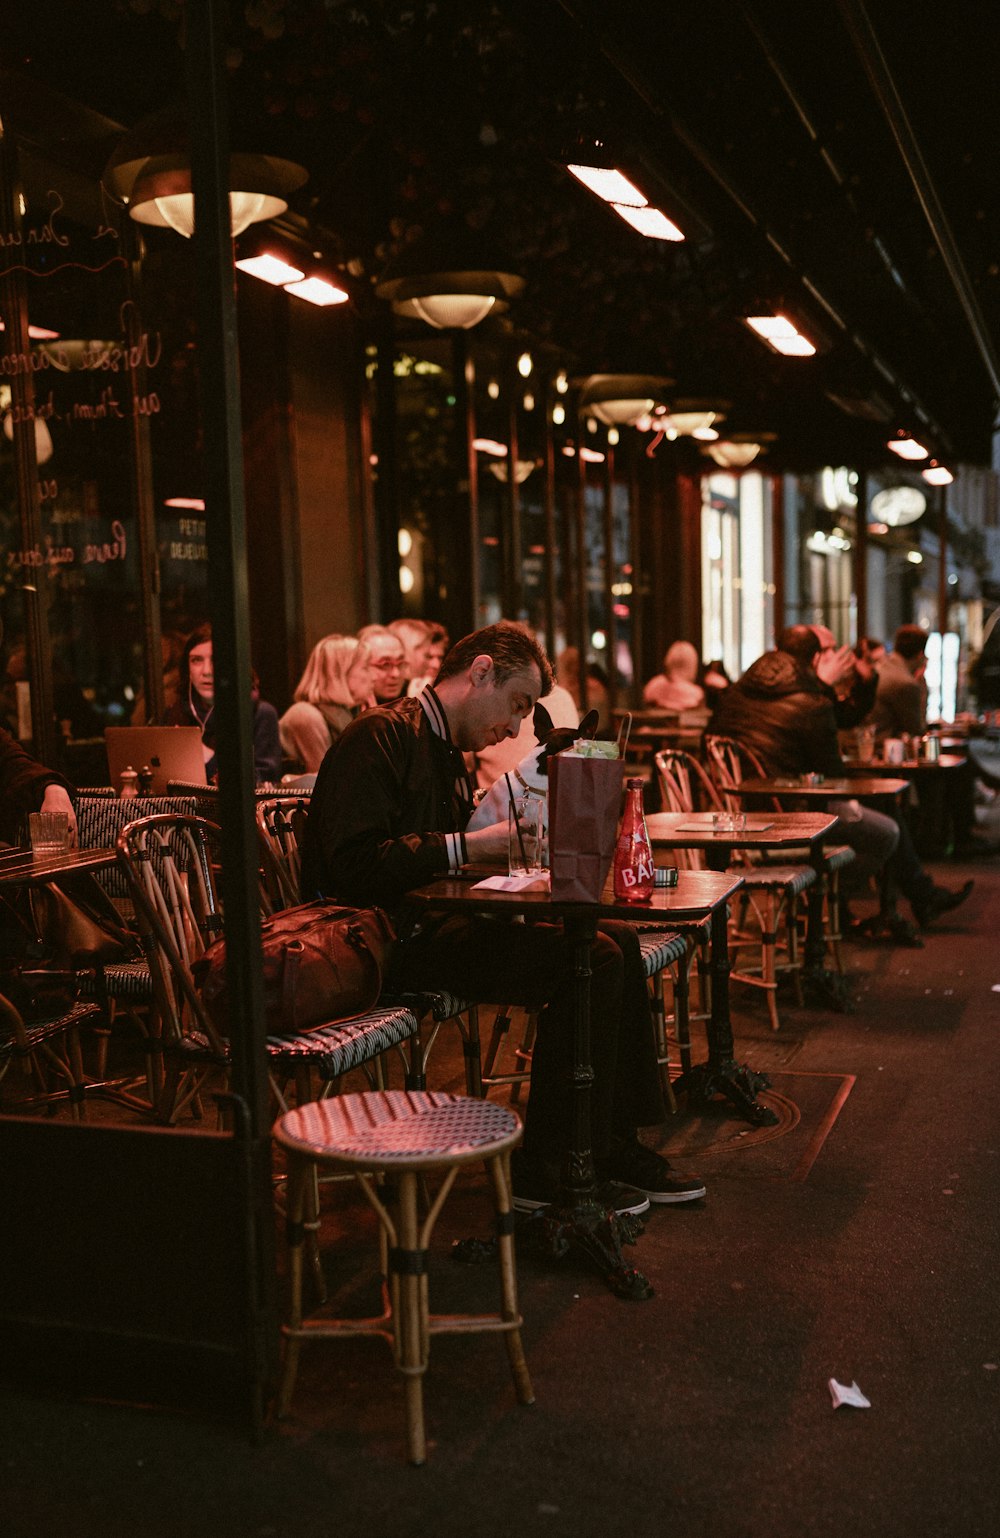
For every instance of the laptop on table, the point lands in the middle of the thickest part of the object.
(172, 752)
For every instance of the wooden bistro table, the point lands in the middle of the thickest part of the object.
(764, 831)
(816, 789)
(24, 868)
(577, 1220)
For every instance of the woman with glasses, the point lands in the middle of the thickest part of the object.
(387, 663)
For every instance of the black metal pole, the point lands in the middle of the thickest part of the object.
(610, 621)
(226, 533)
(34, 581)
(141, 472)
(551, 533)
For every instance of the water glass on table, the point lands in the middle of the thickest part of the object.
(525, 836)
(48, 832)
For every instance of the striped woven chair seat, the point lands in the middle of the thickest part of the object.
(835, 857)
(331, 1049)
(128, 981)
(791, 878)
(37, 1032)
(660, 948)
(440, 1006)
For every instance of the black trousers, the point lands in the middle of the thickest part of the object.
(493, 961)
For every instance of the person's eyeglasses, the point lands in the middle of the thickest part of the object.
(388, 666)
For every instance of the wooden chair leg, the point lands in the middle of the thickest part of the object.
(298, 1181)
(410, 1318)
(499, 1170)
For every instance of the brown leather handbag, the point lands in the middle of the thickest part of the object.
(79, 926)
(322, 962)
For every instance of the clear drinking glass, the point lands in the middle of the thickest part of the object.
(525, 853)
(49, 832)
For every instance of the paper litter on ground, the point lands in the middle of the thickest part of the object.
(842, 1393)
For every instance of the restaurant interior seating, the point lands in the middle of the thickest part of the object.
(400, 1138)
(769, 895)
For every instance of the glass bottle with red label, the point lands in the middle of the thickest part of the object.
(633, 852)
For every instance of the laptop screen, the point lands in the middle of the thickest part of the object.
(172, 752)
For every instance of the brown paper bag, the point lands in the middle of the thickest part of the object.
(584, 803)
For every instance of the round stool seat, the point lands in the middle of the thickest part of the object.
(387, 1129)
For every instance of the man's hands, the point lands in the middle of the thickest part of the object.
(836, 667)
(56, 799)
(490, 843)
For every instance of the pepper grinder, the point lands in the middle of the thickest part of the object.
(145, 780)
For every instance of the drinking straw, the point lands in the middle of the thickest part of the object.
(625, 725)
(517, 822)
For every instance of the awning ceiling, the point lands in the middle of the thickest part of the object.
(763, 131)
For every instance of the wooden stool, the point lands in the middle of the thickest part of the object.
(403, 1134)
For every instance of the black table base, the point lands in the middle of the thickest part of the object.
(737, 1083)
(588, 1229)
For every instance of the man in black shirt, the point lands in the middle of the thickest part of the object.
(387, 814)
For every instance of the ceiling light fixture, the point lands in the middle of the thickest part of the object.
(937, 475)
(906, 447)
(448, 280)
(270, 269)
(317, 291)
(781, 335)
(614, 188)
(150, 174)
(620, 400)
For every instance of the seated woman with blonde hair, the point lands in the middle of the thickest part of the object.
(335, 684)
(675, 688)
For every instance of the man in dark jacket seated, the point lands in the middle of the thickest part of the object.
(785, 714)
(387, 815)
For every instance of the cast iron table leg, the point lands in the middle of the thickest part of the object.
(578, 1221)
(721, 1074)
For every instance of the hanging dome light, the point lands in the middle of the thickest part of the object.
(150, 174)
(620, 400)
(448, 281)
(738, 450)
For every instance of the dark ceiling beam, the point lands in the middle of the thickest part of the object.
(591, 18)
(876, 67)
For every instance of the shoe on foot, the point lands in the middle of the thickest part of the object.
(650, 1172)
(940, 900)
(536, 1184)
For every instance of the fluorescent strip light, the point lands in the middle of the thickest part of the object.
(907, 448)
(271, 269)
(191, 504)
(490, 446)
(778, 332)
(37, 333)
(317, 291)
(609, 185)
(649, 221)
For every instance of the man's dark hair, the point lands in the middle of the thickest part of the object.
(910, 642)
(800, 642)
(513, 651)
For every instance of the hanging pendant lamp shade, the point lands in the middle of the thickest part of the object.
(449, 280)
(150, 174)
(620, 400)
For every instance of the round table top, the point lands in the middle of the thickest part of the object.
(843, 789)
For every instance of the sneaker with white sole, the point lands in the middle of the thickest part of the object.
(536, 1184)
(650, 1172)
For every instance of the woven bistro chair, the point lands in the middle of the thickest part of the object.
(407, 1136)
(124, 987)
(729, 763)
(769, 895)
(280, 825)
(170, 863)
(48, 1053)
